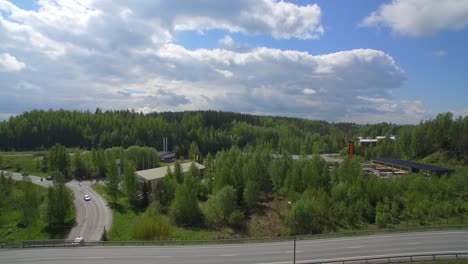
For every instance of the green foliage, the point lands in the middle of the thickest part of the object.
(236, 219)
(29, 202)
(129, 181)
(12, 223)
(59, 202)
(58, 159)
(151, 226)
(113, 180)
(220, 206)
(79, 169)
(250, 195)
(184, 209)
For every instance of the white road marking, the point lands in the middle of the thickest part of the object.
(414, 243)
(356, 247)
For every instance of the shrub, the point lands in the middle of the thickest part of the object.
(150, 227)
(237, 219)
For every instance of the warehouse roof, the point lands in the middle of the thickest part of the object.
(158, 173)
(412, 165)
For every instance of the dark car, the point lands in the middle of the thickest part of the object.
(49, 178)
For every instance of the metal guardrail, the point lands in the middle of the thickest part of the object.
(397, 258)
(70, 243)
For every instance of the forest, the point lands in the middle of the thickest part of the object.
(214, 131)
(243, 180)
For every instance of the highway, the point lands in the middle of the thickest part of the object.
(271, 253)
(91, 216)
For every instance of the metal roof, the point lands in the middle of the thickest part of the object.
(409, 165)
(158, 173)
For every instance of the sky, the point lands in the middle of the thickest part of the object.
(362, 61)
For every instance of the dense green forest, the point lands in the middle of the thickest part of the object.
(214, 131)
(242, 179)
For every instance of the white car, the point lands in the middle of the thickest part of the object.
(87, 197)
(79, 241)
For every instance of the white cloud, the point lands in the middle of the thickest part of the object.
(9, 63)
(227, 41)
(420, 17)
(309, 91)
(278, 19)
(123, 55)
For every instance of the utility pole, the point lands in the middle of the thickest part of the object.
(294, 228)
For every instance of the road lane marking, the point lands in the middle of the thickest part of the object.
(356, 247)
(414, 243)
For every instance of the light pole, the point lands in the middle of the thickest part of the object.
(294, 228)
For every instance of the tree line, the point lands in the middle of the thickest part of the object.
(214, 131)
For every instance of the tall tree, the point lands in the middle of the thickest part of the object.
(58, 159)
(185, 210)
(59, 202)
(29, 202)
(129, 181)
(112, 180)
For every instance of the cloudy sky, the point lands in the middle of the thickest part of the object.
(362, 61)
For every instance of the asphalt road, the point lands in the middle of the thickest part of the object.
(91, 216)
(272, 253)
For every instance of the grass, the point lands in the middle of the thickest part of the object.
(23, 163)
(11, 229)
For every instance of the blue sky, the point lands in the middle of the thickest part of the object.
(358, 61)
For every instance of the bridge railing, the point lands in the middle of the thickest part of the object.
(397, 258)
(69, 243)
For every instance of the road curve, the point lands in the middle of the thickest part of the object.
(91, 216)
(271, 253)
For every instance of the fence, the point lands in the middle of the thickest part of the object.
(397, 258)
(70, 243)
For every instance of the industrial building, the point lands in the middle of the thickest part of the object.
(412, 167)
(153, 176)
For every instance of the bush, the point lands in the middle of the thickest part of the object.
(237, 219)
(149, 227)
(220, 206)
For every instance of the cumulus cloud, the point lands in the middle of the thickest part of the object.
(9, 63)
(121, 55)
(420, 17)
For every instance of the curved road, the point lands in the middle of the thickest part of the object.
(271, 253)
(91, 216)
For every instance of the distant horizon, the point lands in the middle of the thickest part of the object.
(359, 61)
(213, 110)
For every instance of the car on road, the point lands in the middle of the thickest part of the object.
(79, 241)
(87, 197)
(49, 178)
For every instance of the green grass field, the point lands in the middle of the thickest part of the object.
(23, 163)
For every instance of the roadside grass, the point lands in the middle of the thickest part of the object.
(11, 229)
(22, 163)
